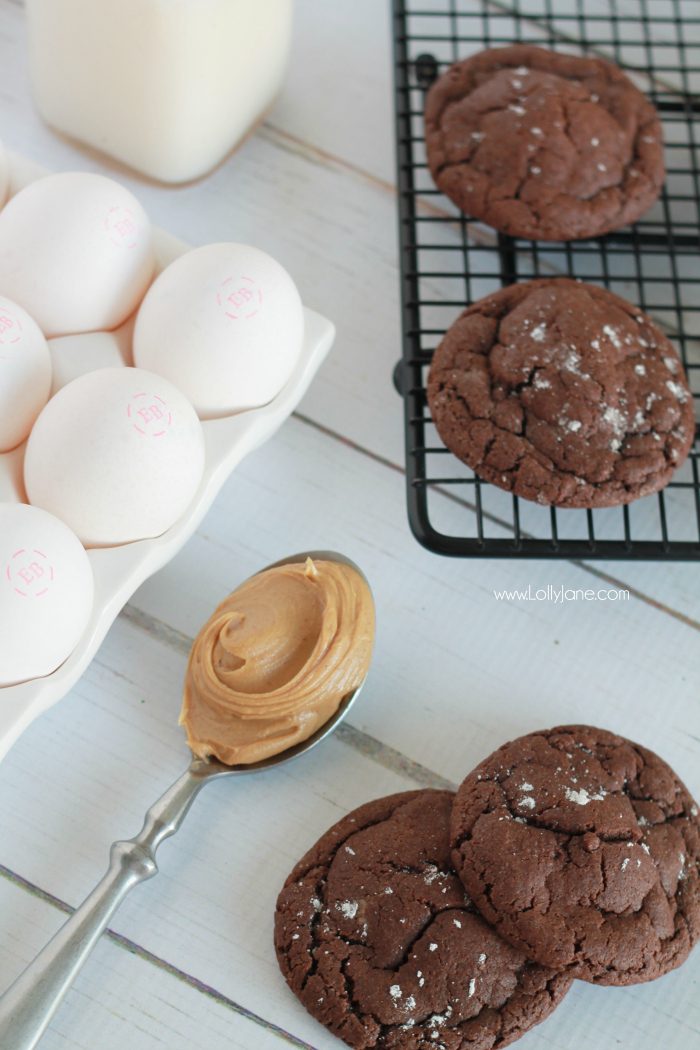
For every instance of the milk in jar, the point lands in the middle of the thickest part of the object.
(168, 87)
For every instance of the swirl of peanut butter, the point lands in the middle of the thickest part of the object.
(275, 660)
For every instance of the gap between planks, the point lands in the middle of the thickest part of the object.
(368, 746)
(156, 960)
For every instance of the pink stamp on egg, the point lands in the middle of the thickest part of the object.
(10, 328)
(240, 298)
(149, 414)
(122, 227)
(29, 573)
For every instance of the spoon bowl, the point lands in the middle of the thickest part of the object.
(28, 1005)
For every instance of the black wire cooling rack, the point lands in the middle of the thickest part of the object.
(448, 261)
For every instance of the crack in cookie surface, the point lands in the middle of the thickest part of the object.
(562, 393)
(583, 849)
(375, 935)
(544, 145)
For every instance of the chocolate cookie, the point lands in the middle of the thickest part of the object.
(562, 393)
(544, 145)
(374, 935)
(582, 849)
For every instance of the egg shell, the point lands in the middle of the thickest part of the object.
(225, 323)
(46, 592)
(74, 355)
(76, 251)
(25, 373)
(118, 454)
(4, 175)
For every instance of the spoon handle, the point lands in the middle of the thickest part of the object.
(31, 1001)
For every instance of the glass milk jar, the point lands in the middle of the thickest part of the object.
(166, 86)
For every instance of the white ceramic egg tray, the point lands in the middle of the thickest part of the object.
(118, 571)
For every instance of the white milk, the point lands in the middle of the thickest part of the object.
(166, 86)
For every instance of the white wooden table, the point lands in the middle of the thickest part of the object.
(189, 962)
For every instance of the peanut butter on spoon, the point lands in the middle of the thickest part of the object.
(276, 659)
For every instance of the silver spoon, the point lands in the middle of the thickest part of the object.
(28, 1005)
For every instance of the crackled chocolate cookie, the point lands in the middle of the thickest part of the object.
(375, 936)
(562, 393)
(583, 850)
(544, 145)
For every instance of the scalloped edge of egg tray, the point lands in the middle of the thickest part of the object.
(119, 571)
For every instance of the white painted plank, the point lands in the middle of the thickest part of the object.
(121, 999)
(448, 654)
(338, 92)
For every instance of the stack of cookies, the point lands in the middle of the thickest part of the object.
(554, 390)
(458, 921)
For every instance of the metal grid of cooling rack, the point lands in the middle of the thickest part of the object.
(447, 261)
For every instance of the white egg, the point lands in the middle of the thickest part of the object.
(74, 355)
(225, 323)
(117, 454)
(46, 592)
(4, 175)
(25, 373)
(76, 251)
